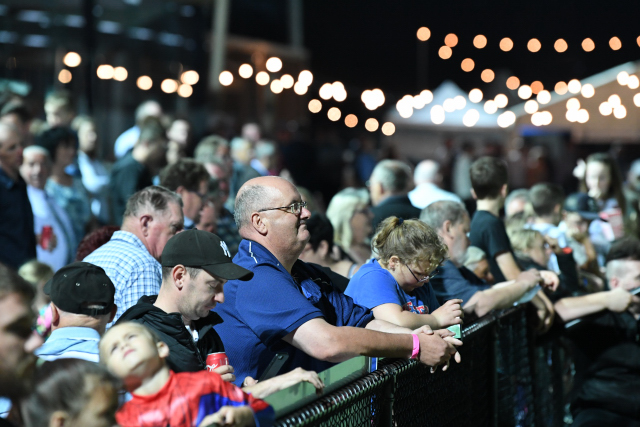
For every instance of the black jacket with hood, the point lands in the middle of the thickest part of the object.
(185, 355)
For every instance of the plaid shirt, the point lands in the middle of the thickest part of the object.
(131, 268)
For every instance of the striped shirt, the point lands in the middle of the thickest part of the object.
(71, 342)
(131, 268)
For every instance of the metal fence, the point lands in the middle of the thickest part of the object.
(505, 379)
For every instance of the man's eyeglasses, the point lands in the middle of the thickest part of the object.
(294, 208)
(424, 278)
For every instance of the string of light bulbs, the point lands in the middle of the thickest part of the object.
(375, 98)
(540, 118)
(506, 44)
(183, 87)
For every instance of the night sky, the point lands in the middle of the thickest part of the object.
(368, 44)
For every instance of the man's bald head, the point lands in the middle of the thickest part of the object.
(427, 171)
(256, 194)
(264, 214)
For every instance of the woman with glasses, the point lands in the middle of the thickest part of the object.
(395, 285)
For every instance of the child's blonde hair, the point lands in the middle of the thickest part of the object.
(524, 239)
(412, 241)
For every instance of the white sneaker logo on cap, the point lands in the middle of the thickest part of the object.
(224, 247)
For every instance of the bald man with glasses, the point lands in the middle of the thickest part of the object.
(290, 310)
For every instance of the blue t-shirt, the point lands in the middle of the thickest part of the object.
(372, 286)
(258, 313)
(452, 282)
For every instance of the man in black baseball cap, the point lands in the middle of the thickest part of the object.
(82, 303)
(202, 250)
(195, 266)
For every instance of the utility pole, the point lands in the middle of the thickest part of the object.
(296, 28)
(220, 25)
(89, 50)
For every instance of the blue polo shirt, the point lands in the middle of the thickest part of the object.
(453, 282)
(17, 239)
(258, 313)
(372, 286)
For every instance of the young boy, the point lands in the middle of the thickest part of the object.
(489, 188)
(161, 397)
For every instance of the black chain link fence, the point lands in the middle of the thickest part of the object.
(550, 373)
(504, 380)
(459, 396)
(513, 370)
(358, 404)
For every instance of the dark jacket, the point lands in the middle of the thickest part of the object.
(607, 359)
(184, 354)
(338, 281)
(17, 239)
(399, 206)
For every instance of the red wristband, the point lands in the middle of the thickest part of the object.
(416, 346)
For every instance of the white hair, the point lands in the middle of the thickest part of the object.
(341, 209)
(394, 176)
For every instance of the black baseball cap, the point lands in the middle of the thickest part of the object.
(201, 249)
(584, 205)
(81, 288)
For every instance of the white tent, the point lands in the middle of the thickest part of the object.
(448, 90)
(599, 128)
(418, 137)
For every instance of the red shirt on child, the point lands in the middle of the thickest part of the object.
(186, 399)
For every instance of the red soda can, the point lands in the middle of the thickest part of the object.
(215, 360)
(45, 237)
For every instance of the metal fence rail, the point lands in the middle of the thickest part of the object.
(505, 379)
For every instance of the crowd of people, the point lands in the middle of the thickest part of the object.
(129, 277)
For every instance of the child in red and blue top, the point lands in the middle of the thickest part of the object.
(164, 398)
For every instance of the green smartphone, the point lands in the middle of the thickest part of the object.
(456, 330)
